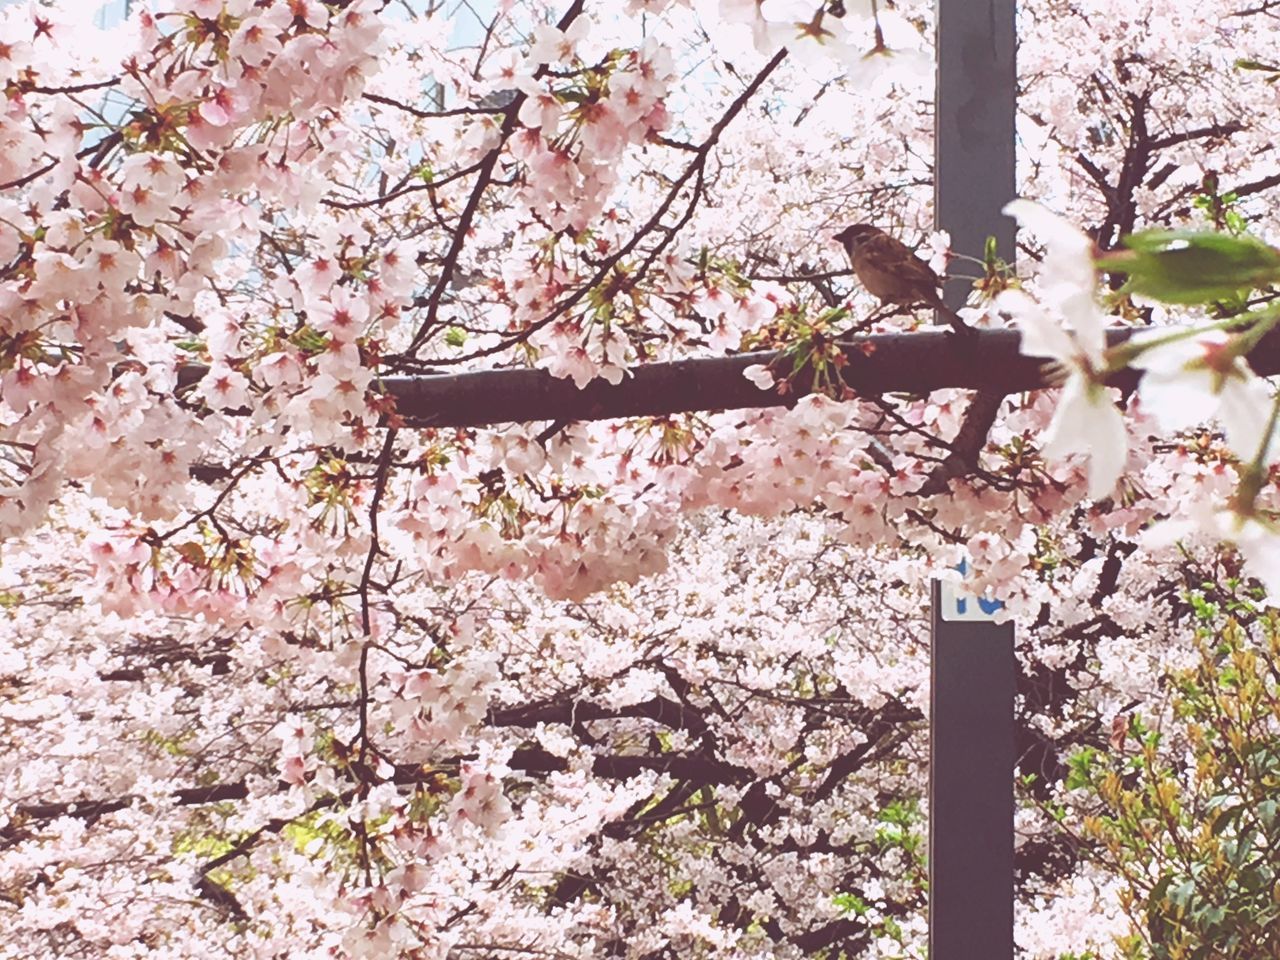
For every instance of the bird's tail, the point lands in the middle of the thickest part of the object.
(953, 318)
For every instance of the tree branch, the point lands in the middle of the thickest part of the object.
(918, 362)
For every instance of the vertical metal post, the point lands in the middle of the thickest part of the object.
(974, 128)
(971, 758)
(973, 669)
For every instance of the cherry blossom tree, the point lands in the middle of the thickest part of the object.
(295, 666)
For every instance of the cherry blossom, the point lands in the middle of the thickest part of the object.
(292, 668)
(1085, 420)
(1188, 381)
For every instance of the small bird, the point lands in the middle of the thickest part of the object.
(889, 269)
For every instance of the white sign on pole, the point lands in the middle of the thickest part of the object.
(956, 605)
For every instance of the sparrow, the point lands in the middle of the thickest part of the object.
(888, 269)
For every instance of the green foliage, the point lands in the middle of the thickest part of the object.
(1221, 209)
(1229, 596)
(901, 827)
(205, 846)
(1193, 267)
(810, 347)
(312, 833)
(173, 746)
(1272, 71)
(208, 843)
(850, 904)
(1196, 839)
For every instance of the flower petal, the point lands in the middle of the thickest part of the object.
(1041, 335)
(1068, 251)
(1244, 409)
(1086, 421)
(1179, 401)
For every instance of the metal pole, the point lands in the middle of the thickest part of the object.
(971, 758)
(973, 676)
(974, 129)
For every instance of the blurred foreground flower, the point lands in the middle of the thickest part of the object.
(1189, 380)
(1086, 421)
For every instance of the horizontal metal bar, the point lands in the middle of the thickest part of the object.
(886, 363)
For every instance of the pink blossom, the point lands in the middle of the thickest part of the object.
(557, 46)
(541, 109)
(258, 37)
(224, 388)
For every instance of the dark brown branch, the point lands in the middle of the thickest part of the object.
(801, 277)
(410, 188)
(674, 144)
(432, 114)
(659, 710)
(698, 767)
(1096, 174)
(366, 579)
(487, 164)
(695, 169)
(93, 809)
(75, 88)
(1257, 186)
(917, 362)
(220, 897)
(907, 362)
(1214, 131)
(968, 443)
(193, 325)
(272, 826)
(108, 141)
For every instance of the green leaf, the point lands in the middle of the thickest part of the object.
(1243, 64)
(850, 903)
(1181, 896)
(1267, 812)
(1186, 266)
(1080, 768)
(1161, 887)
